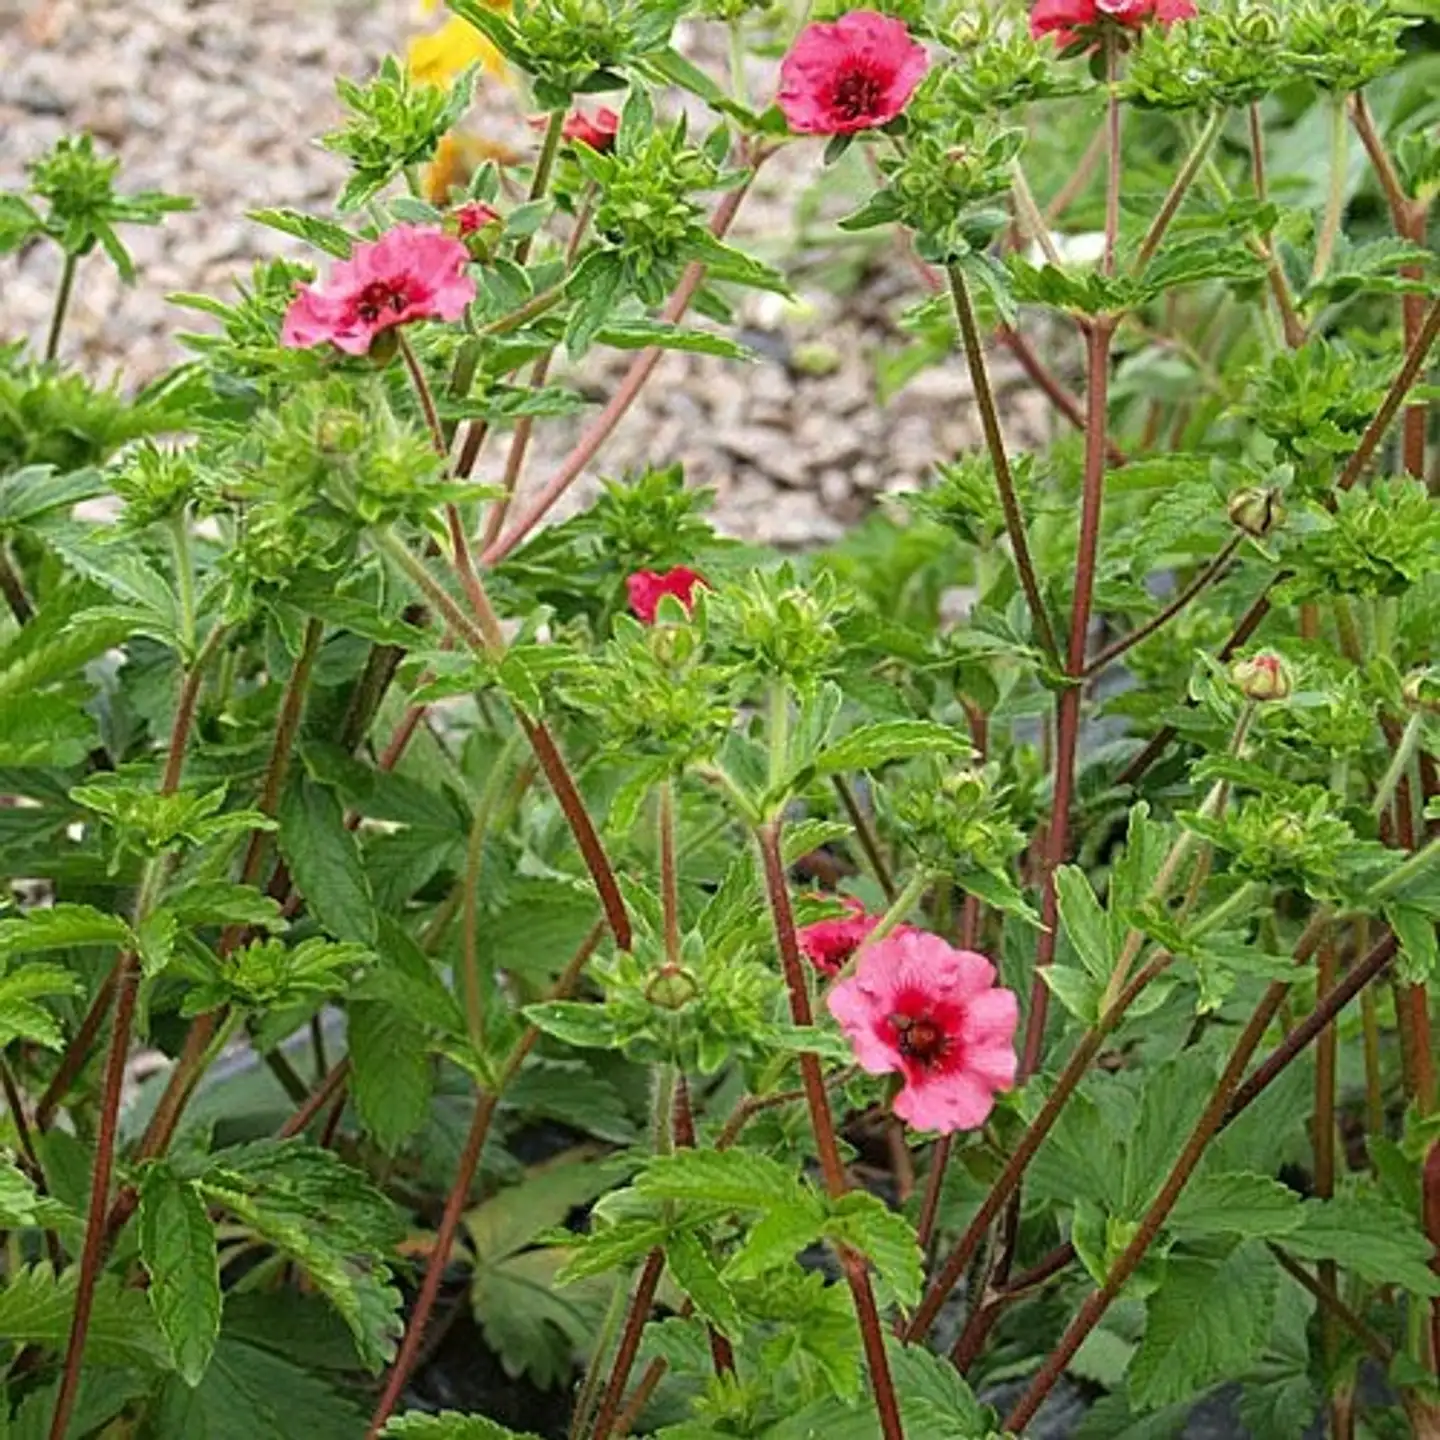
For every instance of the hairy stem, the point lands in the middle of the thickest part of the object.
(868, 839)
(1000, 460)
(1202, 582)
(422, 393)
(1335, 198)
(62, 305)
(1179, 189)
(822, 1123)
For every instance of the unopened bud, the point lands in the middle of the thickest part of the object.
(1259, 27)
(965, 788)
(671, 988)
(1422, 689)
(1257, 512)
(1262, 677)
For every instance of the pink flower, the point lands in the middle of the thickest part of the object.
(598, 131)
(853, 75)
(919, 1006)
(645, 588)
(474, 215)
(413, 272)
(1067, 19)
(828, 944)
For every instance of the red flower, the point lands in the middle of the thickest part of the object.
(474, 215)
(934, 1014)
(598, 131)
(828, 944)
(413, 272)
(645, 588)
(1071, 21)
(853, 75)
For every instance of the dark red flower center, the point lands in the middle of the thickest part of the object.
(379, 296)
(920, 1038)
(858, 94)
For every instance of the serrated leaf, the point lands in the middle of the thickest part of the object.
(1376, 1240)
(867, 747)
(222, 902)
(329, 1219)
(36, 1308)
(324, 861)
(1086, 923)
(640, 334)
(104, 1392)
(21, 1018)
(1079, 992)
(323, 234)
(1209, 1320)
(935, 1402)
(177, 1248)
(392, 1077)
(696, 1274)
(247, 1392)
(722, 1177)
(575, 1023)
(451, 1426)
(776, 1238)
(1251, 1205)
(885, 1238)
(62, 927)
(515, 1217)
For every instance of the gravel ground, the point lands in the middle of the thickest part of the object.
(222, 99)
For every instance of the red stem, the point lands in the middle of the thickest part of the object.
(331, 1086)
(641, 1303)
(823, 1125)
(459, 1194)
(1067, 709)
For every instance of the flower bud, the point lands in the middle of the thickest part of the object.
(1262, 677)
(1257, 512)
(671, 988)
(1422, 689)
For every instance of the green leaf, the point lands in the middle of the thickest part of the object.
(1208, 1321)
(392, 1079)
(36, 1308)
(1085, 922)
(515, 1217)
(885, 1238)
(697, 1276)
(155, 938)
(20, 1017)
(1251, 1205)
(323, 234)
(774, 1240)
(576, 1023)
(326, 1217)
(721, 1177)
(640, 334)
(867, 747)
(247, 1392)
(62, 927)
(177, 1248)
(222, 902)
(1415, 929)
(935, 1402)
(1078, 991)
(451, 1426)
(1376, 1240)
(104, 1392)
(324, 861)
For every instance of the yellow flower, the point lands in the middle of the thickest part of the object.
(436, 59)
(456, 159)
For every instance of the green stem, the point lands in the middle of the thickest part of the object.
(1112, 150)
(184, 578)
(779, 740)
(1335, 201)
(1399, 764)
(902, 905)
(1403, 873)
(669, 874)
(869, 840)
(589, 1393)
(540, 180)
(739, 89)
(1032, 222)
(62, 304)
(1194, 162)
